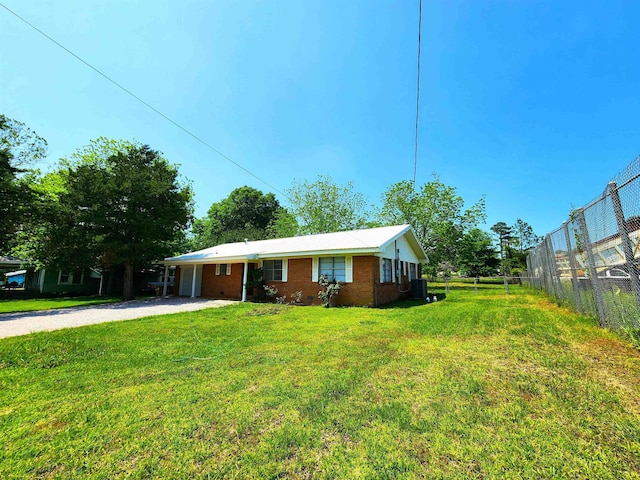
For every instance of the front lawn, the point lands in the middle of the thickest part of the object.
(34, 304)
(480, 385)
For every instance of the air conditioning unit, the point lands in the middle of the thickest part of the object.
(419, 288)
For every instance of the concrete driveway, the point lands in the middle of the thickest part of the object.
(22, 323)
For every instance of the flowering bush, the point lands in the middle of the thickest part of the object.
(270, 291)
(329, 290)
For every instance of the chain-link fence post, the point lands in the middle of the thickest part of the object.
(627, 246)
(548, 276)
(553, 270)
(573, 267)
(544, 281)
(593, 273)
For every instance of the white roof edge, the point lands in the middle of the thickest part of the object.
(408, 228)
(267, 256)
(17, 272)
(395, 237)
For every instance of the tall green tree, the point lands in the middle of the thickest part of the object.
(505, 240)
(284, 225)
(20, 149)
(477, 255)
(126, 209)
(10, 200)
(323, 206)
(25, 146)
(437, 214)
(524, 235)
(245, 213)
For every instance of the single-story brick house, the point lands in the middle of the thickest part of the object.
(375, 266)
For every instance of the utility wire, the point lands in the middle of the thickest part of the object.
(155, 110)
(415, 151)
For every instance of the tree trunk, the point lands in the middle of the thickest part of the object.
(127, 290)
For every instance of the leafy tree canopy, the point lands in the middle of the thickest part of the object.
(123, 206)
(23, 145)
(437, 214)
(245, 213)
(526, 238)
(20, 147)
(323, 206)
(514, 242)
(476, 254)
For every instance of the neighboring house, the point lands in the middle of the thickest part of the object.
(8, 264)
(375, 266)
(67, 281)
(15, 280)
(54, 281)
(608, 253)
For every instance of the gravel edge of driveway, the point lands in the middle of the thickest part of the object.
(24, 323)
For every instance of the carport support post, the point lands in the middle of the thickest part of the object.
(166, 280)
(193, 281)
(244, 280)
(627, 246)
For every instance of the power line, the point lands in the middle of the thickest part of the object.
(152, 108)
(415, 151)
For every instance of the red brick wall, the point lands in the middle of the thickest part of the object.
(222, 286)
(389, 291)
(360, 292)
(299, 279)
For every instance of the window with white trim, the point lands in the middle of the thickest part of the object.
(223, 269)
(70, 277)
(387, 270)
(272, 270)
(333, 268)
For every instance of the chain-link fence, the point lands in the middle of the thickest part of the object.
(593, 260)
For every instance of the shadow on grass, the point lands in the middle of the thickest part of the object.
(414, 302)
(468, 286)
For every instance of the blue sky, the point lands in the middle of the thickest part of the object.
(531, 103)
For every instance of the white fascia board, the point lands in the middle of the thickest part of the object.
(412, 238)
(267, 256)
(209, 260)
(384, 246)
(320, 253)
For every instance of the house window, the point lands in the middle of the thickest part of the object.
(70, 277)
(387, 270)
(272, 270)
(412, 271)
(223, 269)
(333, 268)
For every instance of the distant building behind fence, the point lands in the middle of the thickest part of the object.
(593, 260)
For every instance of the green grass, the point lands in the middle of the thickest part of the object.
(34, 304)
(480, 385)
